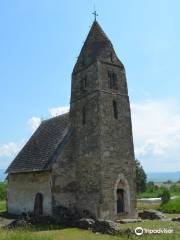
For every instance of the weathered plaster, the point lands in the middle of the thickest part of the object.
(22, 189)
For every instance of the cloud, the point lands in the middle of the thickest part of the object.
(33, 123)
(8, 152)
(55, 111)
(156, 130)
(9, 149)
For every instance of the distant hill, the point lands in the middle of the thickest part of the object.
(164, 176)
(2, 175)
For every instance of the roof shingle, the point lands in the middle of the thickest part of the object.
(38, 152)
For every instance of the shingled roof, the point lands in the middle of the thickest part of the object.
(38, 153)
(95, 44)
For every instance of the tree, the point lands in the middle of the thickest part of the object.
(168, 182)
(178, 181)
(151, 187)
(165, 195)
(3, 188)
(141, 177)
(175, 188)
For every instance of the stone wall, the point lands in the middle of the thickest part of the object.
(117, 152)
(22, 189)
(87, 140)
(63, 177)
(104, 151)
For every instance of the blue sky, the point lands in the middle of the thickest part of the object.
(40, 41)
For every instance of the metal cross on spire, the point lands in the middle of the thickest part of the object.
(95, 15)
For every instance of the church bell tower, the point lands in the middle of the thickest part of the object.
(101, 118)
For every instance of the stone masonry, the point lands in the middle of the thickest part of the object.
(91, 163)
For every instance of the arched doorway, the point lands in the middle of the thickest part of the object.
(122, 195)
(38, 204)
(120, 200)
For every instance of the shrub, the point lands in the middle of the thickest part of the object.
(2, 206)
(165, 195)
(175, 188)
(3, 189)
(151, 188)
(173, 206)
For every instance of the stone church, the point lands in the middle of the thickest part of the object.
(85, 158)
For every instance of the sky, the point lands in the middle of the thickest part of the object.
(39, 44)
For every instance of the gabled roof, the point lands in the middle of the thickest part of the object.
(94, 46)
(38, 153)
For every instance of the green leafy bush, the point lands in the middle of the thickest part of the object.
(152, 191)
(165, 195)
(148, 195)
(2, 206)
(140, 177)
(173, 206)
(3, 189)
(175, 188)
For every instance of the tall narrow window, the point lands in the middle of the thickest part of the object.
(115, 110)
(83, 61)
(112, 77)
(84, 115)
(83, 84)
(111, 56)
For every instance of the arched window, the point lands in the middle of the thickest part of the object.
(84, 115)
(115, 109)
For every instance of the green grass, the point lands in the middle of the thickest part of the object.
(172, 215)
(173, 206)
(2, 206)
(57, 233)
(153, 191)
(77, 234)
(147, 206)
(154, 194)
(148, 195)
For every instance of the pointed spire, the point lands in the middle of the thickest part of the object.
(96, 35)
(95, 46)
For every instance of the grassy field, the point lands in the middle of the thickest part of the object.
(146, 206)
(57, 233)
(173, 206)
(152, 191)
(77, 234)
